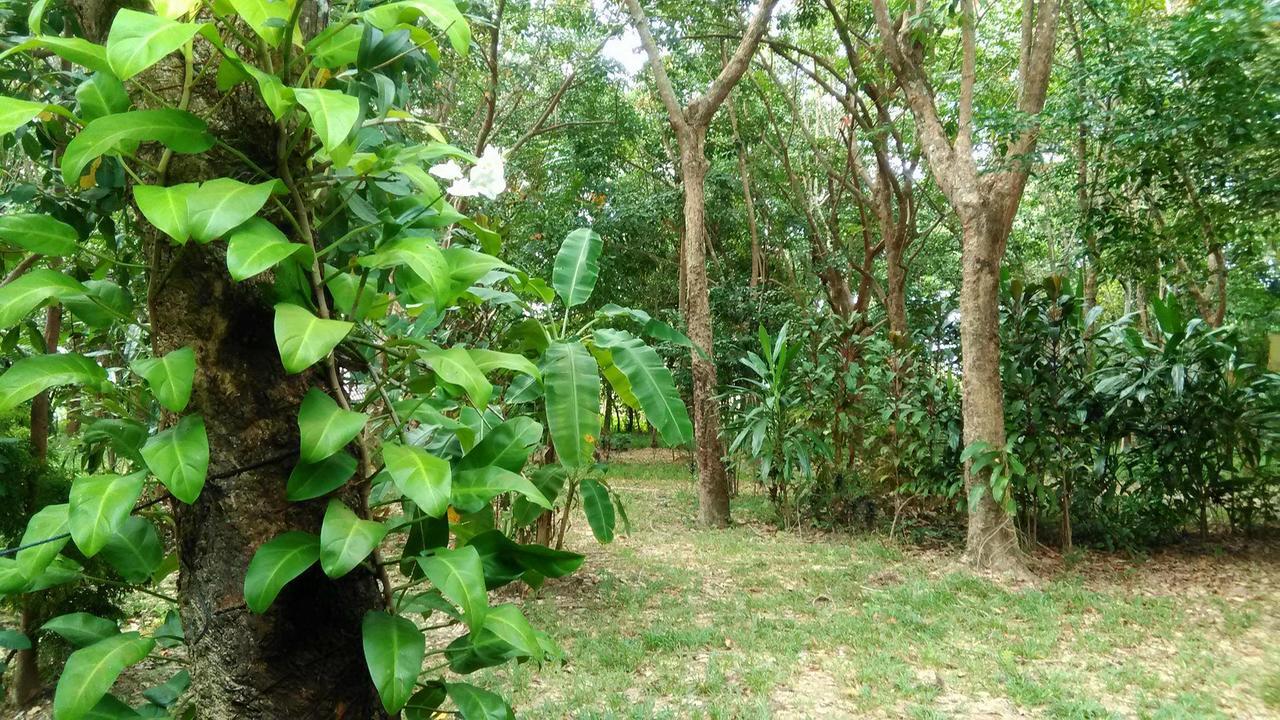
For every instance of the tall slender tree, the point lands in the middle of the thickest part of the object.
(985, 197)
(690, 123)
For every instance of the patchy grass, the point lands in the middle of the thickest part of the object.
(675, 622)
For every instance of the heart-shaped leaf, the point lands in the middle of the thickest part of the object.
(135, 550)
(179, 457)
(324, 428)
(257, 246)
(393, 650)
(218, 206)
(99, 506)
(169, 377)
(303, 338)
(276, 562)
(422, 477)
(459, 575)
(139, 40)
(166, 208)
(313, 480)
(346, 540)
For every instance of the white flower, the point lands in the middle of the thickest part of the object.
(447, 170)
(487, 178)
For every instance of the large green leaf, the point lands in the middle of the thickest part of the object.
(459, 575)
(324, 428)
(20, 297)
(572, 381)
(91, 671)
(577, 266)
(393, 650)
(490, 360)
(33, 375)
(135, 550)
(313, 480)
(333, 115)
(598, 508)
(220, 205)
(336, 46)
(423, 478)
(139, 40)
(179, 457)
(44, 538)
(177, 130)
(276, 562)
(81, 629)
(421, 255)
(72, 49)
(473, 488)
(99, 506)
(166, 208)
(454, 365)
(39, 234)
(267, 18)
(303, 338)
(15, 113)
(443, 14)
(102, 304)
(346, 540)
(651, 382)
(619, 382)
(257, 246)
(425, 702)
(476, 704)
(509, 624)
(506, 446)
(169, 377)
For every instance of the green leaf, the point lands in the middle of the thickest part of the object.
(81, 629)
(598, 509)
(476, 704)
(134, 551)
(577, 266)
(510, 625)
(324, 428)
(102, 94)
(257, 246)
(218, 206)
(455, 365)
(336, 46)
(169, 377)
(425, 702)
(267, 18)
(72, 49)
(168, 692)
(313, 480)
(33, 375)
(112, 708)
(48, 527)
(650, 382)
(506, 446)
(179, 457)
(423, 478)
(619, 382)
(102, 304)
(20, 297)
(393, 650)
(466, 266)
(276, 563)
(334, 115)
(99, 506)
(421, 255)
(177, 130)
(303, 338)
(443, 14)
(490, 360)
(572, 381)
(91, 671)
(15, 113)
(473, 488)
(459, 575)
(139, 40)
(166, 208)
(14, 640)
(39, 234)
(346, 540)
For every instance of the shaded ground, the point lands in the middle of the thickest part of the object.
(674, 622)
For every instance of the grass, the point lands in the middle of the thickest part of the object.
(675, 622)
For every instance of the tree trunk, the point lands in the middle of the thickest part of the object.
(26, 671)
(895, 294)
(713, 484)
(304, 657)
(991, 542)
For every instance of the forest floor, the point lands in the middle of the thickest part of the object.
(670, 621)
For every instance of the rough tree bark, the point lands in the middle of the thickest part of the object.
(690, 123)
(304, 657)
(985, 203)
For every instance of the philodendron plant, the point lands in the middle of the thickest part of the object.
(285, 418)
